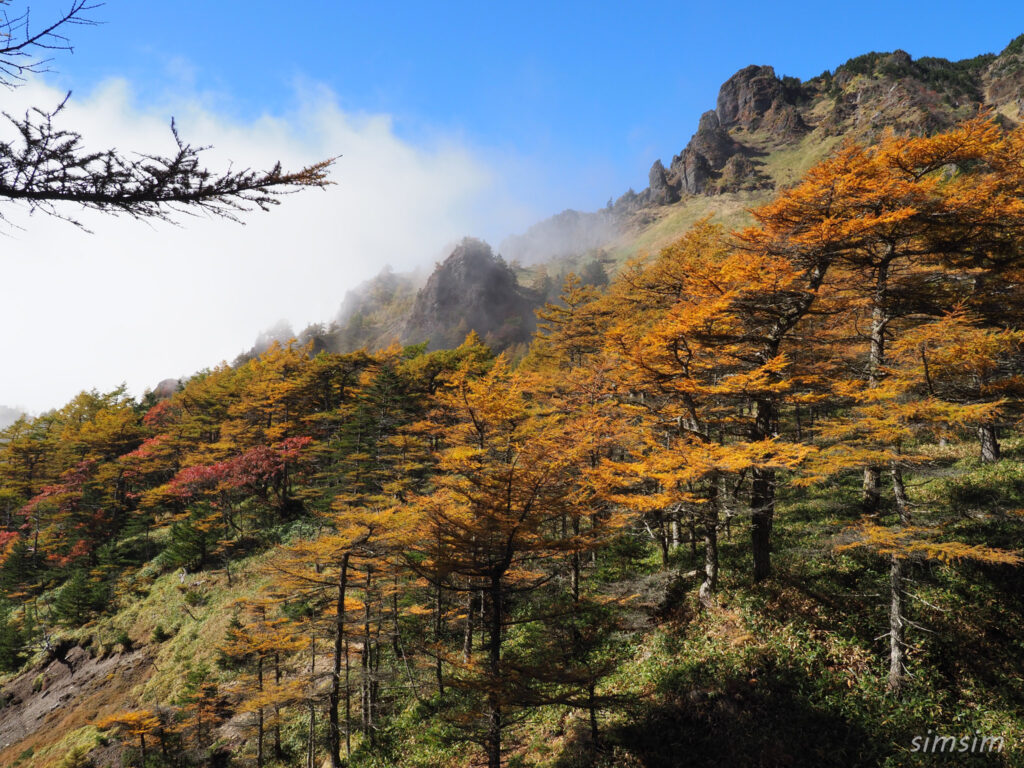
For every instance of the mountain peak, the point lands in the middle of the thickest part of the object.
(471, 290)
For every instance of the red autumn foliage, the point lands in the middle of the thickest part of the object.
(255, 467)
(161, 414)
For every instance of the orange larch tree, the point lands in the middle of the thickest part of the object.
(497, 519)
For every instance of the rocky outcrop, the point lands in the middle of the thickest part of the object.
(758, 113)
(662, 193)
(712, 141)
(1003, 81)
(473, 290)
(783, 121)
(697, 168)
(746, 96)
(691, 171)
(166, 388)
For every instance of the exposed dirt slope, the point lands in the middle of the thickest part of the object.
(73, 690)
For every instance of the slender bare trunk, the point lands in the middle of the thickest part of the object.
(762, 496)
(340, 649)
(871, 489)
(348, 703)
(311, 739)
(592, 708)
(366, 663)
(710, 583)
(897, 593)
(663, 539)
(438, 638)
(259, 713)
(277, 708)
(576, 565)
(494, 709)
(396, 642)
(871, 495)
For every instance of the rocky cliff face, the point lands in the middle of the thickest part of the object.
(758, 113)
(472, 290)
(748, 96)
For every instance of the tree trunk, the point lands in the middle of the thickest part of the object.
(494, 709)
(259, 713)
(576, 566)
(871, 492)
(311, 743)
(340, 645)
(592, 707)
(897, 637)
(663, 540)
(277, 708)
(871, 495)
(396, 642)
(897, 593)
(366, 663)
(989, 443)
(374, 682)
(762, 497)
(762, 504)
(438, 638)
(467, 638)
(710, 584)
(348, 703)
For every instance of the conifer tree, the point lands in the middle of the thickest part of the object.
(492, 524)
(707, 389)
(136, 723)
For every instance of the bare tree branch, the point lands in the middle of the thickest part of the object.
(46, 165)
(19, 41)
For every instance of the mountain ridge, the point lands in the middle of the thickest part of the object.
(763, 133)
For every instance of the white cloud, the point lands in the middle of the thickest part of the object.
(138, 302)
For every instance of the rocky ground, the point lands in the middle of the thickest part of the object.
(71, 690)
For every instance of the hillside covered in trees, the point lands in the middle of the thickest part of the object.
(757, 502)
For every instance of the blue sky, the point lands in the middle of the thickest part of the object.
(590, 92)
(452, 119)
